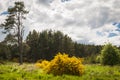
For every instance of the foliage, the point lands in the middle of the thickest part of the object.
(42, 64)
(4, 52)
(42, 44)
(98, 59)
(90, 59)
(46, 44)
(110, 55)
(13, 24)
(62, 64)
(32, 42)
(12, 71)
(10, 40)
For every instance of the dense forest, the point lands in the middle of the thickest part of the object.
(45, 45)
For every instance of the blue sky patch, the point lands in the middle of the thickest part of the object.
(116, 24)
(99, 33)
(4, 13)
(65, 0)
(118, 30)
(112, 35)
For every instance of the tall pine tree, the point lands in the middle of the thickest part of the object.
(14, 24)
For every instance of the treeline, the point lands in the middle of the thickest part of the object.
(45, 45)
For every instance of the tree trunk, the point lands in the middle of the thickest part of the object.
(20, 40)
(20, 47)
(21, 54)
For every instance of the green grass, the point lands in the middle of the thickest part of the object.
(14, 71)
(98, 72)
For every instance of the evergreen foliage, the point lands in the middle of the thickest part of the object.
(14, 24)
(45, 45)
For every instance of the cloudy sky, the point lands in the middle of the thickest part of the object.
(85, 21)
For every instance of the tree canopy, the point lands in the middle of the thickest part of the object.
(110, 55)
(14, 24)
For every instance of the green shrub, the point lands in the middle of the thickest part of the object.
(110, 55)
(98, 58)
(62, 64)
(90, 59)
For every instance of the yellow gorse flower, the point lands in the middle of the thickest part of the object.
(63, 64)
(42, 64)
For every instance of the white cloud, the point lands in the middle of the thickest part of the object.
(86, 21)
(45, 2)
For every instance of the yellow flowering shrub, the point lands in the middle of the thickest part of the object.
(42, 64)
(63, 64)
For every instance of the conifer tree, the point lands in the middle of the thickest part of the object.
(14, 24)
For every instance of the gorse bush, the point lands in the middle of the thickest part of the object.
(110, 55)
(62, 64)
(42, 64)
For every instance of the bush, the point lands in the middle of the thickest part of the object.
(90, 59)
(42, 63)
(62, 64)
(110, 55)
(98, 59)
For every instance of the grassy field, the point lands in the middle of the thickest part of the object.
(14, 71)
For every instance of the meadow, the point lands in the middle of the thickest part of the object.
(28, 71)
